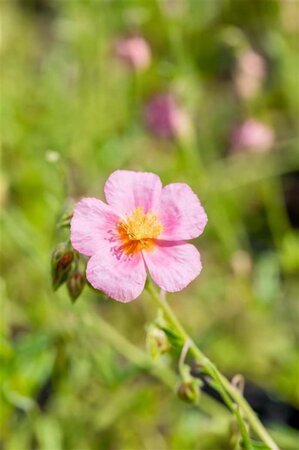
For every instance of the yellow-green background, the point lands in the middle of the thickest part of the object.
(63, 385)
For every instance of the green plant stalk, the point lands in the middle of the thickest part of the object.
(130, 351)
(226, 389)
(234, 408)
(141, 359)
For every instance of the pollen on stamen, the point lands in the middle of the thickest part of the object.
(139, 231)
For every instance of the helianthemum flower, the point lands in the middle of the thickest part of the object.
(142, 227)
(166, 118)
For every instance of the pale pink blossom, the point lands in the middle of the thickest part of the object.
(134, 51)
(252, 135)
(142, 227)
(166, 118)
(250, 73)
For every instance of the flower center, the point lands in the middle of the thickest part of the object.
(138, 231)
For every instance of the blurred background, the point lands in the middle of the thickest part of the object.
(203, 92)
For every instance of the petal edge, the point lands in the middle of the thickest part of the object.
(126, 190)
(121, 278)
(173, 265)
(92, 222)
(181, 214)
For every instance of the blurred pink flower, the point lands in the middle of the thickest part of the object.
(252, 135)
(142, 227)
(250, 73)
(134, 51)
(165, 118)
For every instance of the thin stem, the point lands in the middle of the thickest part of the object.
(183, 355)
(130, 351)
(233, 407)
(140, 359)
(226, 389)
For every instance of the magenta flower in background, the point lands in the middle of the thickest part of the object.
(134, 51)
(252, 135)
(250, 73)
(165, 118)
(143, 226)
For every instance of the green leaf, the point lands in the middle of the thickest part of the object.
(175, 340)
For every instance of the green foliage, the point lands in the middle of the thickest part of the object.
(71, 114)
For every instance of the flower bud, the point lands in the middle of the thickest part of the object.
(62, 258)
(75, 284)
(189, 391)
(157, 342)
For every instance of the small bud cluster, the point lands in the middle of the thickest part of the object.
(67, 265)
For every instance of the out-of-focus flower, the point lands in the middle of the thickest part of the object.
(134, 51)
(250, 73)
(166, 118)
(252, 135)
(143, 226)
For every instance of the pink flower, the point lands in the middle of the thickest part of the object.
(134, 51)
(143, 226)
(250, 73)
(165, 118)
(252, 135)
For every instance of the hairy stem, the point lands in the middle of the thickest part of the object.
(231, 395)
(141, 359)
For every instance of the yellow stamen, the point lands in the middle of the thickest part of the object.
(139, 231)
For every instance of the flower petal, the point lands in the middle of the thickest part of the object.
(126, 190)
(92, 222)
(181, 213)
(119, 276)
(173, 265)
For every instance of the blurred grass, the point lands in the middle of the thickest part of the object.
(62, 91)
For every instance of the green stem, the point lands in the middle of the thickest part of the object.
(141, 359)
(130, 351)
(233, 407)
(226, 389)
